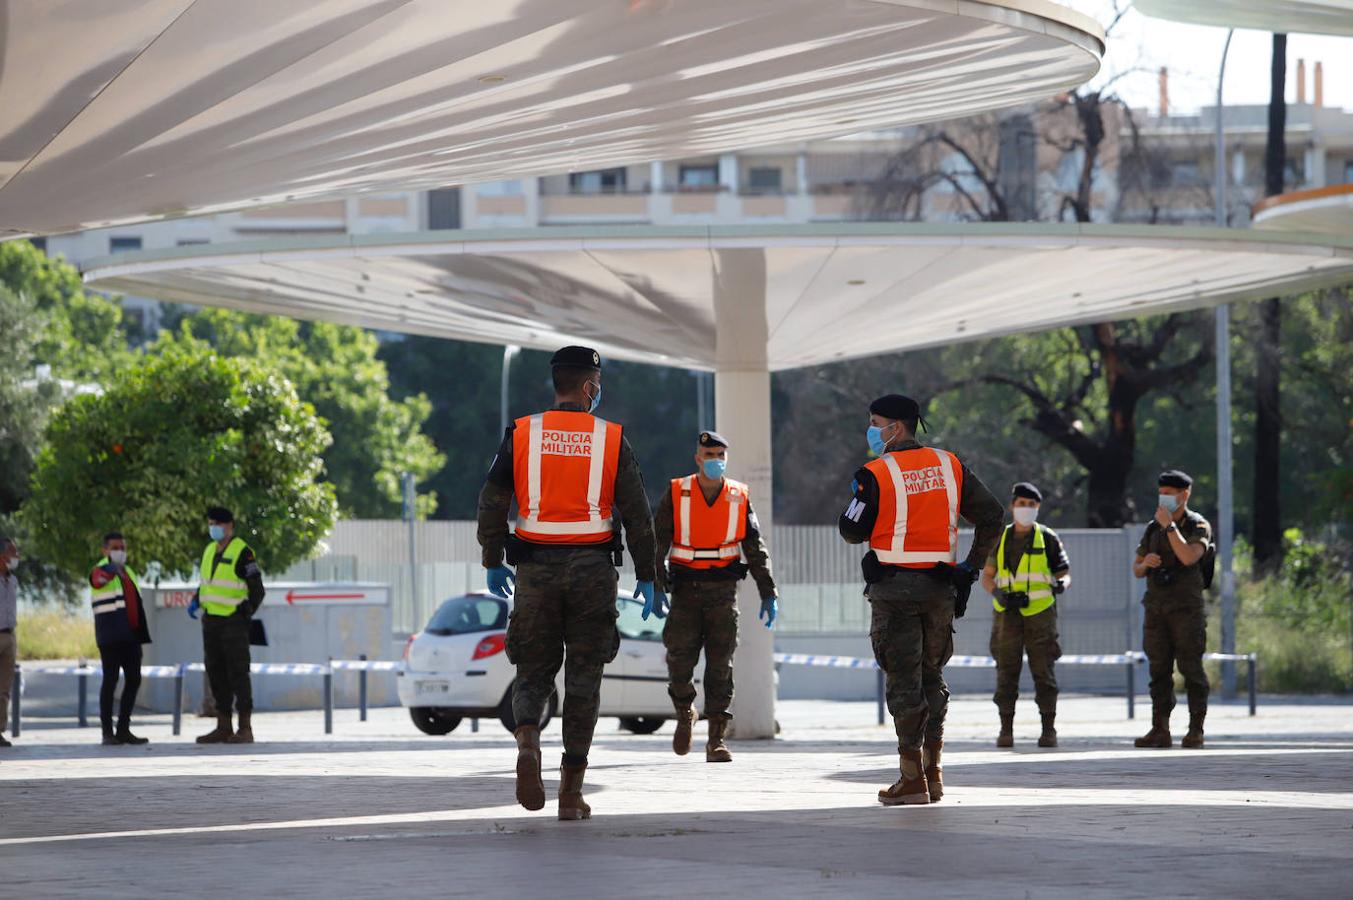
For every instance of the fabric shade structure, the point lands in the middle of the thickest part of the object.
(114, 111)
(1279, 16)
(742, 301)
(1327, 210)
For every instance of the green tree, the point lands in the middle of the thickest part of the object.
(23, 406)
(178, 431)
(337, 370)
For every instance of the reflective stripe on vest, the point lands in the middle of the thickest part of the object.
(221, 590)
(705, 535)
(1033, 575)
(564, 467)
(917, 524)
(109, 597)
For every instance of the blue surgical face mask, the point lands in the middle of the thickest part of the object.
(217, 532)
(596, 400)
(714, 468)
(1169, 502)
(876, 441)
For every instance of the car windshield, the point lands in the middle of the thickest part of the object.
(631, 622)
(466, 615)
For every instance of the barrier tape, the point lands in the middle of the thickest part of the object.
(961, 662)
(367, 665)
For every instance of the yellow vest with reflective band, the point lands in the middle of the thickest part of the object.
(1033, 576)
(109, 597)
(222, 590)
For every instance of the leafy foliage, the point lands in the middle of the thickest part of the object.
(178, 431)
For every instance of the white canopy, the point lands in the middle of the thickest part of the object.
(1327, 210)
(114, 111)
(1281, 16)
(823, 292)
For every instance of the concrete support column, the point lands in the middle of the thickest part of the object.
(801, 173)
(742, 413)
(655, 177)
(728, 173)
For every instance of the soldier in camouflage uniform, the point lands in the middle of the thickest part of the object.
(564, 608)
(702, 577)
(906, 514)
(1174, 549)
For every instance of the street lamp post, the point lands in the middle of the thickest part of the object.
(1225, 499)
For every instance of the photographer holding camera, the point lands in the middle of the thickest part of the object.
(1024, 576)
(1175, 558)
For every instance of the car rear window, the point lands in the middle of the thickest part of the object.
(466, 615)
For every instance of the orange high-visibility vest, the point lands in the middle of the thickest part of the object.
(917, 524)
(704, 535)
(564, 467)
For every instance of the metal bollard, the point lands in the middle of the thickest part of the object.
(878, 698)
(83, 702)
(361, 689)
(1253, 678)
(14, 704)
(1132, 689)
(178, 701)
(329, 702)
(474, 725)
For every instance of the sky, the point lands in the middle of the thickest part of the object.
(1193, 52)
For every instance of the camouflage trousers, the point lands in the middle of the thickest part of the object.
(565, 601)
(912, 630)
(704, 615)
(1175, 632)
(1013, 635)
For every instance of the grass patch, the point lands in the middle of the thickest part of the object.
(53, 632)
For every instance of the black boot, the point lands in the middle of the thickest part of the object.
(124, 734)
(1049, 736)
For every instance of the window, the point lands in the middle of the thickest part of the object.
(1348, 172)
(763, 179)
(123, 244)
(701, 177)
(631, 624)
(444, 208)
(605, 181)
(467, 615)
(499, 189)
(192, 242)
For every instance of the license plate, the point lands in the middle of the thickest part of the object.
(433, 687)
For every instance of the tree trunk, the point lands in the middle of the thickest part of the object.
(1267, 527)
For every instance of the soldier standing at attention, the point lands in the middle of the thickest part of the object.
(906, 505)
(1024, 576)
(575, 480)
(707, 523)
(1172, 558)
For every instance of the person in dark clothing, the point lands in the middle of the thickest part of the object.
(120, 629)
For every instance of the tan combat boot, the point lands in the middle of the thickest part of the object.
(1159, 735)
(1007, 736)
(221, 734)
(715, 749)
(1194, 739)
(934, 774)
(681, 741)
(911, 787)
(571, 805)
(530, 789)
(1049, 736)
(244, 734)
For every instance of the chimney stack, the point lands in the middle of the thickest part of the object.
(1319, 85)
(1301, 81)
(1164, 92)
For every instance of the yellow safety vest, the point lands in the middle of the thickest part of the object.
(221, 590)
(109, 597)
(1033, 576)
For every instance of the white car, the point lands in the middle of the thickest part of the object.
(456, 667)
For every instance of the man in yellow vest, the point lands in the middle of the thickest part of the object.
(120, 628)
(229, 594)
(906, 505)
(575, 480)
(1024, 576)
(707, 524)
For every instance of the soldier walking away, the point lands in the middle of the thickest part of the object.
(1176, 556)
(705, 524)
(120, 628)
(9, 620)
(1024, 576)
(575, 480)
(230, 592)
(906, 505)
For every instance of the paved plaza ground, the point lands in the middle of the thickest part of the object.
(380, 810)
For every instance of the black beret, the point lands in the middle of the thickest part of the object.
(896, 406)
(220, 514)
(577, 357)
(712, 439)
(1176, 479)
(1028, 490)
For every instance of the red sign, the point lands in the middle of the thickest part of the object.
(331, 595)
(173, 599)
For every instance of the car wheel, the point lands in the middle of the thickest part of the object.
(510, 721)
(431, 720)
(641, 724)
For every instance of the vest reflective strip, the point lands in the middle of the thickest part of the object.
(681, 548)
(951, 491)
(594, 472)
(687, 553)
(687, 486)
(590, 526)
(594, 524)
(1041, 597)
(226, 591)
(734, 508)
(107, 592)
(107, 607)
(898, 555)
(537, 440)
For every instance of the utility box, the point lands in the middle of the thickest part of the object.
(306, 622)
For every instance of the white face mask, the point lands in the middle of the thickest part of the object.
(117, 557)
(1026, 515)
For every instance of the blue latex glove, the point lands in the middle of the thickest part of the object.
(655, 601)
(193, 607)
(770, 608)
(502, 581)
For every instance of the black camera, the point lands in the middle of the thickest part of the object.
(1162, 576)
(1015, 600)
